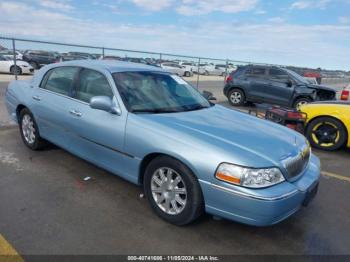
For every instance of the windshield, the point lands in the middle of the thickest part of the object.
(157, 92)
(297, 76)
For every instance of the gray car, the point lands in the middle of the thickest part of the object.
(273, 85)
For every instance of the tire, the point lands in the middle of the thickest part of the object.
(13, 70)
(189, 205)
(326, 133)
(206, 73)
(29, 131)
(187, 74)
(236, 97)
(301, 101)
(34, 64)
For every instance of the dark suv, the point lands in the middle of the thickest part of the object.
(39, 58)
(272, 85)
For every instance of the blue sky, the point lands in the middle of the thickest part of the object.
(313, 33)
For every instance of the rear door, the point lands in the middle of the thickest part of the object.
(280, 92)
(258, 85)
(50, 101)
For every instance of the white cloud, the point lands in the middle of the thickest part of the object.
(152, 5)
(194, 7)
(62, 5)
(279, 43)
(310, 4)
(276, 19)
(344, 19)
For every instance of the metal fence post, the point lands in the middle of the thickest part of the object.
(14, 58)
(103, 52)
(199, 61)
(160, 58)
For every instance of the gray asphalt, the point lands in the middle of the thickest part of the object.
(47, 208)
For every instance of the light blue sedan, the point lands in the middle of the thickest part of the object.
(154, 129)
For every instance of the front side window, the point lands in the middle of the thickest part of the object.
(156, 92)
(92, 83)
(60, 80)
(278, 74)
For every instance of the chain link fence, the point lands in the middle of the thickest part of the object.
(203, 73)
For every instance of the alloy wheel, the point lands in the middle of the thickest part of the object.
(169, 191)
(236, 97)
(28, 129)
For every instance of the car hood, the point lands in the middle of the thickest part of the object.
(241, 138)
(321, 87)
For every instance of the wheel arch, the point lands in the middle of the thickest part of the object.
(19, 108)
(299, 96)
(236, 87)
(333, 117)
(151, 156)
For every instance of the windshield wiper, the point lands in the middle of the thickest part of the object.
(154, 111)
(196, 107)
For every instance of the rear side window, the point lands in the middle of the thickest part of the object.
(256, 72)
(92, 83)
(60, 80)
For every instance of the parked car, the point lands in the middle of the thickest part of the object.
(154, 129)
(345, 94)
(328, 124)
(273, 85)
(7, 65)
(83, 55)
(176, 69)
(37, 58)
(70, 57)
(9, 54)
(189, 66)
(111, 57)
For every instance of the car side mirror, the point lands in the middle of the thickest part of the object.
(209, 96)
(289, 83)
(104, 103)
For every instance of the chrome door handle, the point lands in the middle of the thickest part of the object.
(37, 98)
(75, 113)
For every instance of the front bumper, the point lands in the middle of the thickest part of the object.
(27, 70)
(261, 207)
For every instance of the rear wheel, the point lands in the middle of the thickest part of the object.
(187, 74)
(236, 97)
(173, 191)
(326, 133)
(15, 70)
(29, 131)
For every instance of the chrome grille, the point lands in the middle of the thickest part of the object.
(297, 164)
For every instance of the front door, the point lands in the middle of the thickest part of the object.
(97, 135)
(281, 87)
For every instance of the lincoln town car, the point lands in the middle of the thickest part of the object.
(153, 129)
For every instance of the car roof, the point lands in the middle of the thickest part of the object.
(112, 66)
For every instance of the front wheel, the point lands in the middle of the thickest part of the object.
(301, 101)
(173, 191)
(326, 133)
(29, 131)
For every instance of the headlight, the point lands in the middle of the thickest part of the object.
(249, 177)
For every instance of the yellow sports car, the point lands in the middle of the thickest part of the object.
(327, 124)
